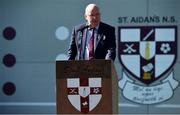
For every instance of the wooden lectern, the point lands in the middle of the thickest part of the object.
(86, 86)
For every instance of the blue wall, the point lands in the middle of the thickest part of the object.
(35, 33)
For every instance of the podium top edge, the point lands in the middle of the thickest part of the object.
(84, 60)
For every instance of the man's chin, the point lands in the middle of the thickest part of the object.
(93, 25)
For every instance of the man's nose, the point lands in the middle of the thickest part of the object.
(94, 17)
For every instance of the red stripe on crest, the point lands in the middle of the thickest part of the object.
(72, 91)
(85, 104)
(95, 90)
(84, 81)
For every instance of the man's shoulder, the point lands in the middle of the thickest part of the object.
(106, 25)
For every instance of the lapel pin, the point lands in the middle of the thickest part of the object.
(104, 37)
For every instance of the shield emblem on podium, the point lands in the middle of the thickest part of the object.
(147, 52)
(84, 93)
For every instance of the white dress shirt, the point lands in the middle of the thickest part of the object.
(89, 33)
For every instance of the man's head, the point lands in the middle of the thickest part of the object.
(92, 15)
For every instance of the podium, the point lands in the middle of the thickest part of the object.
(86, 87)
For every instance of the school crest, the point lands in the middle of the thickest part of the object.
(147, 53)
(84, 93)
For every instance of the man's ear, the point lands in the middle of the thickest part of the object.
(85, 16)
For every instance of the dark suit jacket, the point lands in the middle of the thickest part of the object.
(105, 48)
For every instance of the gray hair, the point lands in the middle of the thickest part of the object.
(90, 6)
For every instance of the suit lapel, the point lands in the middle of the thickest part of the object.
(99, 35)
(84, 43)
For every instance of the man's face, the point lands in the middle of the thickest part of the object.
(92, 16)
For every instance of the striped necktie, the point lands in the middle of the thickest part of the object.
(91, 46)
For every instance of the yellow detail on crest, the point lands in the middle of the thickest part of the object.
(147, 51)
(147, 76)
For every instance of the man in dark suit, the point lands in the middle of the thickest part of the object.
(93, 39)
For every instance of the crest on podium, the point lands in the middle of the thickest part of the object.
(84, 93)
